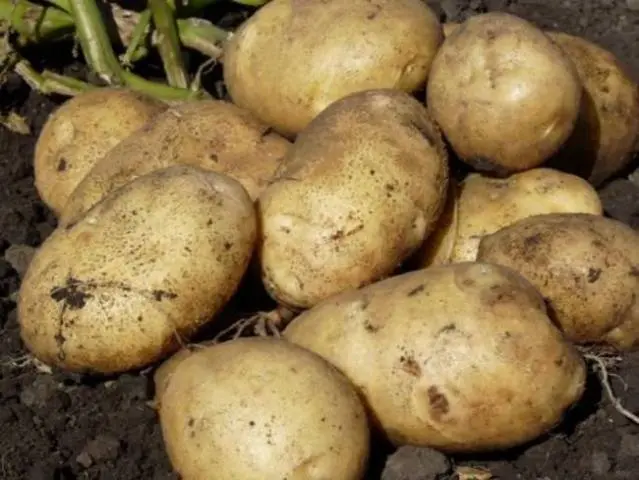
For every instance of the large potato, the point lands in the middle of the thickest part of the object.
(485, 204)
(319, 51)
(604, 139)
(587, 268)
(459, 358)
(144, 268)
(78, 134)
(211, 134)
(262, 408)
(503, 93)
(360, 189)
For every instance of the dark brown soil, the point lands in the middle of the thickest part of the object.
(61, 427)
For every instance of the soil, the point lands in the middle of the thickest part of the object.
(60, 426)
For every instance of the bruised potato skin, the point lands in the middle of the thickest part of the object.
(262, 408)
(315, 60)
(460, 358)
(80, 132)
(361, 188)
(144, 268)
(504, 94)
(211, 134)
(587, 268)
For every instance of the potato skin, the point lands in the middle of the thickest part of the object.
(361, 187)
(80, 132)
(460, 358)
(587, 268)
(262, 408)
(211, 134)
(314, 60)
(155, 259)
(505, 96)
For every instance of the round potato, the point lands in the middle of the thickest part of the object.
(485, 204)
(587, 268)
(142, 270)
(604, 139)
(314, 60)
(360, 189)
(504, 94)
(460, 358)
(80, 132)
(262, 408)
(211, 134)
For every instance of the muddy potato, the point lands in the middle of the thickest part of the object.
(361, 188)
(587, 268)
(460, 358)
(262, 408)
(80, 132)
(144, 268)
(314, 60)
(604, 139)
(504, 94)
(211, 134)
(485, 204)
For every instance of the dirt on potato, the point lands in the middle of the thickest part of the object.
(61, 427)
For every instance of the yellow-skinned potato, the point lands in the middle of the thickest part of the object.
(262, 408)
(505, 96)
(322, 50)
(485, 204)
(147, 266)
(80, 132)
(360, 189)
(605, 136)
(211, 134)
(587, 268)
(460, 358)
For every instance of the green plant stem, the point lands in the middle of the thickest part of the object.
(49, 82)
(137, 48)
(201, 35)
(34, 23)
(168, 43)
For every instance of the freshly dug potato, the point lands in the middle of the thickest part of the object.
(322, 50)
(587, 268)
(262, 408)
(361, 187)
(604, 139)
(504, 94)
(485, 204)
(144, 268)
(80, 132)
(460, 358)
(211, 134)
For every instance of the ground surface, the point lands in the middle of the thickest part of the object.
(60, 427)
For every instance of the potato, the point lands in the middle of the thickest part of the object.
(360, 189)
(211, 134)
(587, 268)
(505, 95)
(485, 204)
(79, 132)
(460, 358)
(314, 60)
(144, 268)
(449, 27)
(604, 139)
(262, 408)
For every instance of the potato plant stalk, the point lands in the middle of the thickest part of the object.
(168, 42)
(34, 23)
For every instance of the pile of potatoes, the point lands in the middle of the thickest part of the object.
(437, 309)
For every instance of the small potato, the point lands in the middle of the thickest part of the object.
(144, 268)
(587, 268)
(505, 95)
(262, 408)
(485, 204)
(210, 134)
(604, 139)
(80, 132)
(322, 50)
(459, 358)
(360, 189)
